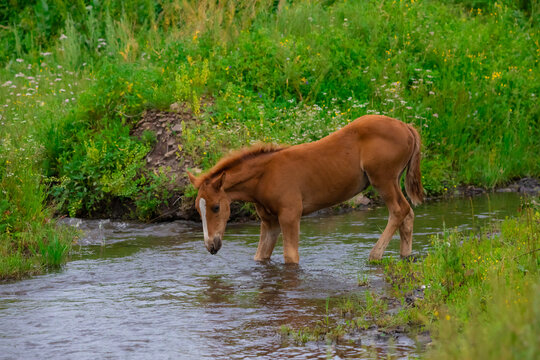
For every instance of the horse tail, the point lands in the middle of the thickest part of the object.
(413, 179)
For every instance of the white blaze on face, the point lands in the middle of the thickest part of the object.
(202, 207)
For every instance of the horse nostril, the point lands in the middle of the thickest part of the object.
(217, 243)
(214, 246)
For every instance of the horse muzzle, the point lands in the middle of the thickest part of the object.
(214, 246)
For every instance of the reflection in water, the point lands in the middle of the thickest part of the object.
(141, 291)
(216, 290)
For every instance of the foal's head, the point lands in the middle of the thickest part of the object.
(212, 203)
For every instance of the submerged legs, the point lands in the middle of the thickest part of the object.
(289, 221)
(405, 234)
(401, 216)
(269, 234)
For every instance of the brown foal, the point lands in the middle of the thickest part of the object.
(286, 183)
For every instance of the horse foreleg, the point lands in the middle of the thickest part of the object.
(269, 234)
(290, 226)
(405, 234)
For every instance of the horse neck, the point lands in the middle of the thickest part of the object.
(241, 180)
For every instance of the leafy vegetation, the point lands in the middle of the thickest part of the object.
(77, 76)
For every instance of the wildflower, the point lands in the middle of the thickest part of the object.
(435, 115)
(19, 60)
(7, 83)
(19, 75)
(46, 53)
(63, 37)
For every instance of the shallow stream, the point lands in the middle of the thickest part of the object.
(153, 291)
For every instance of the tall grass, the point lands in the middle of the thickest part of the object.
(76, 79)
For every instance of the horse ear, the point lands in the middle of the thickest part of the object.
(194, 181)
(219, 182)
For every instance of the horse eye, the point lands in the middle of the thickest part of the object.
(215, 208)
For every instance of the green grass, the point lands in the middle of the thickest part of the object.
(481, 292)
(75, 79)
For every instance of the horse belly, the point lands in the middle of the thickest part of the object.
(333, 190)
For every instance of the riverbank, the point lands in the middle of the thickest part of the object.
(472, 296)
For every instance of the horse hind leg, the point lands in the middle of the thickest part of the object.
(405, 234)
(398, 208)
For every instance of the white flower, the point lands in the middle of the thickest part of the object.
(7, 83)
(62, 37)
(19, 75)
(19, 60)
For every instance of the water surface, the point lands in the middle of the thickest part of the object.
(153, 291)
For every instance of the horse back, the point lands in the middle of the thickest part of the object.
(334, 169)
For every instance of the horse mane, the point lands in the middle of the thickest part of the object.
(236, 157)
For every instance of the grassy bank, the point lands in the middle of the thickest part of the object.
(481, 296)
(77, 77)
(477, 295)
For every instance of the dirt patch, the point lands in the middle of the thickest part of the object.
(167, 154)
(167, 157)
